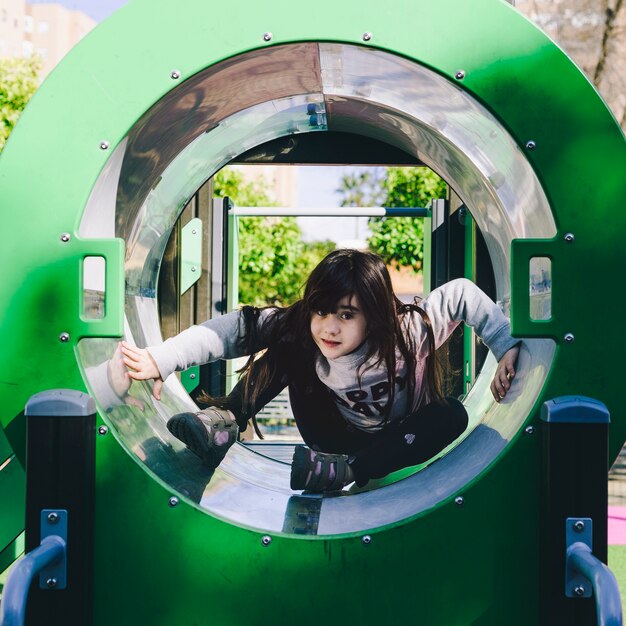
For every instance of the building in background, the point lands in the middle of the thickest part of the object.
(12, 38)
(48, 30)
(52, 31)
(281, 181)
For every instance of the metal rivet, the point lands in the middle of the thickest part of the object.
(175, 74)
(65, 237)
(460, 75)
(103, 430)
(267, 36)
(459, 500)
(569, 237)
(193, 269)
(531, 145)
(367, 36)
(194, 231)
(104, 145)
(367, 539)
(579, 591)
(51, 583)
(579, 526)
(266, 540)
(529, 430)
(173, 501)
(64, 337)
(569, 338)
(192, 376)
(53, 517)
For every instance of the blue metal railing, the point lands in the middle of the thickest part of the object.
(605, 588)
(15, 593)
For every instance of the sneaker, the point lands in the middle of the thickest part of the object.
(208, 433)
(318, 471)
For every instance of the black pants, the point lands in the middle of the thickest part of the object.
(410, 441)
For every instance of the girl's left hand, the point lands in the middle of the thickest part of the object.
(505, 373)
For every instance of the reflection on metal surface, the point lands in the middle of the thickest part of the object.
(540, 288)
(255, 98)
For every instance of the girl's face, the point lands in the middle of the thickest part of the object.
(340, 332)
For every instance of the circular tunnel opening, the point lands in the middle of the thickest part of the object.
(248, 101)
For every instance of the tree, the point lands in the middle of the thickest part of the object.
(363, 187)
(18, 82)
(274, 262)
(400, 240)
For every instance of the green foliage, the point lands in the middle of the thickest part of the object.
(400, 240)
(230, 183)
(274, 262)
(18, 82)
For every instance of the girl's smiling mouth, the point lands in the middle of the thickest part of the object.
(330, 344)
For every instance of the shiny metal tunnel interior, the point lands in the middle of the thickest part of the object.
(243, 102)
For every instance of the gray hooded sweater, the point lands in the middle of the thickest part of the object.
(360, 402)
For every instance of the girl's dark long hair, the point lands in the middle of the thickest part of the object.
(291, 350)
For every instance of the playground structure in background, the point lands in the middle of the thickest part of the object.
(93, 181)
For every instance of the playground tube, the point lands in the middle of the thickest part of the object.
(154, 109)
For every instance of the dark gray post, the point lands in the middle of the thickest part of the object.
(60, 475)
(574, 485)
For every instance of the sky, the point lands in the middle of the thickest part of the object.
(96, 9)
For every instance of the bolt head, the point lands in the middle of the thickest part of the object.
(459, 500)
(460, 75)
(175, 74)
(568, 338)
(266, 540)
(579, 526)
(529, 430)
(173, 501)
(65, 237)
(192, 376)
(51, 583)
(569, 237)
(267, 36)
(367, 36)
(367, 539)
(53, 517)
(531, 145)
(104, 145)
(64, 337)
(103, 430)
(579, 591)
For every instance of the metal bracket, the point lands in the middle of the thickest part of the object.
(577, 530)
(190, 378)
(191, 254)
(54, 522)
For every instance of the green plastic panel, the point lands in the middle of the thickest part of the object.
(12, 552)
(13, 502)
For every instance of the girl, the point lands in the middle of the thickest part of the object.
(363, 377)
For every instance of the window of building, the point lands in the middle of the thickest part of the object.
(4, 15)
(27, 48)
(42, 27)
(28, 23)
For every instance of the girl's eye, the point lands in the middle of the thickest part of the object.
(346, 316)
(320, 313)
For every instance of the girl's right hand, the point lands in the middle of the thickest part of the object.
(142, 366)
